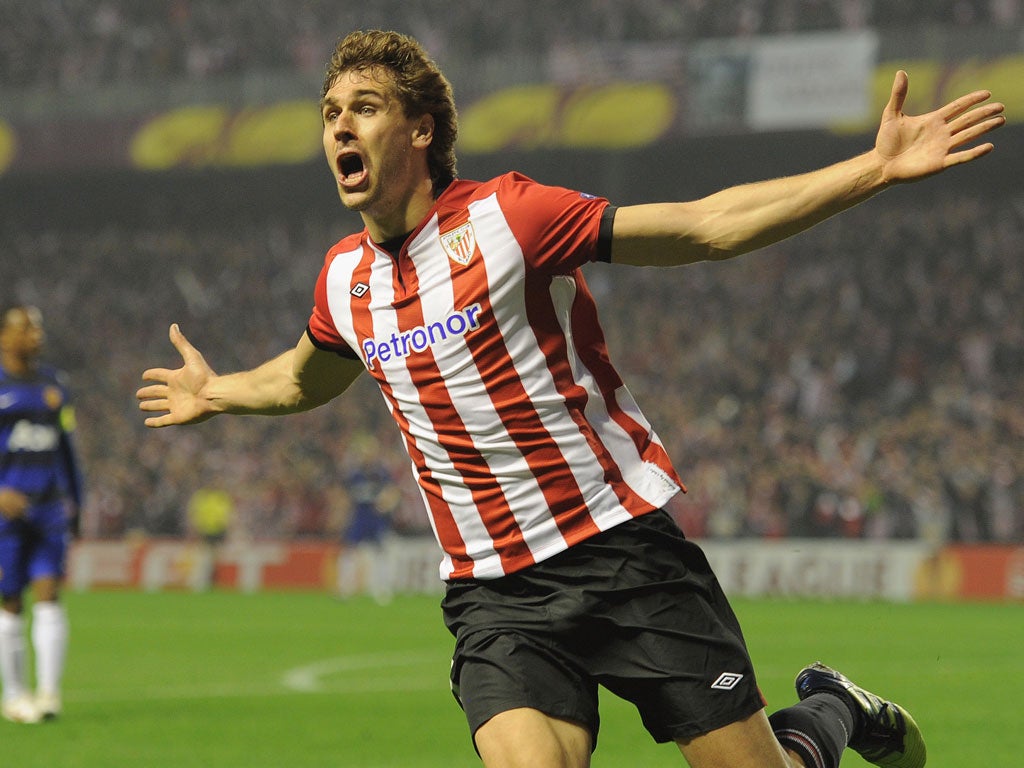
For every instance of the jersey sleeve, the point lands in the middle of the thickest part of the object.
(75, 481)
(321, 329)
(559, 229)
(69, 459)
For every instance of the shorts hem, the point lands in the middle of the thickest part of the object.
(691, 730)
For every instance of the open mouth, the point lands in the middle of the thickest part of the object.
(351, 168)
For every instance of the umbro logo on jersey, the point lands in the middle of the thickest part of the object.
(726, 681)
(460, 243)
(359, 290)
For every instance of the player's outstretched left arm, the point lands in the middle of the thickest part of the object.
(746, 217)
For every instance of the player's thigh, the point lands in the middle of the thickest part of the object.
(497, 671)
(13, 571)
(527, 738)
(46, 558)
(747, 743)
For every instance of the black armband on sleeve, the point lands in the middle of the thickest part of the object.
(343, 351)
(604, 235)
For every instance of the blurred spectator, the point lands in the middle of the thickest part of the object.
(75, 44)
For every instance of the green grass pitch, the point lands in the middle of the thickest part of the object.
(302, 680)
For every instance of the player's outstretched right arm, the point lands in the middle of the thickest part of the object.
(297, 380)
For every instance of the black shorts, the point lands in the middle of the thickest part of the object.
(635, 609)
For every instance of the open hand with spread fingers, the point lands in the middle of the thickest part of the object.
(916, 146)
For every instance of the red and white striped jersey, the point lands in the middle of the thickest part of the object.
(485, 341)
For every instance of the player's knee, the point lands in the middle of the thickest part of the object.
(526, 738)
(45, 590)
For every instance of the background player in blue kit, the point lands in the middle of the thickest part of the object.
(40, 495)
(365, 560)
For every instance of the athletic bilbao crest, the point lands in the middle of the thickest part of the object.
(460, 243)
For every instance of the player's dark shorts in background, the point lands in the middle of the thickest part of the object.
(635, 609)
(32, 548)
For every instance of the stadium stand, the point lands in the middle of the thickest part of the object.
(78, 43)
(865, 380)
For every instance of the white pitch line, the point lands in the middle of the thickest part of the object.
(308, 678)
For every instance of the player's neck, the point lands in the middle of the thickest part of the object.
(402, 218)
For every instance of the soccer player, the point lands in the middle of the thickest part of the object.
(365, 560)
(544, 483)
(209, 510)
(41, 492)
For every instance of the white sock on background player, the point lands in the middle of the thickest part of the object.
(13, 669)
(50, 642)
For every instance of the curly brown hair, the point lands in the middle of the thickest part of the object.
(418, 82)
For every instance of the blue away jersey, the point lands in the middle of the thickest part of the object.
(36, 452)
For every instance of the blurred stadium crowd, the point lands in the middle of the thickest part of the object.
(68, 44)
(865, 379)
(861, 380)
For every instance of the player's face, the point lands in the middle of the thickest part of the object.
(22, 334)
(377, 154)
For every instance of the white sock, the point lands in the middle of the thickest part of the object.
(348, 572)
(381, 586)
(50, 641)
(13, 670)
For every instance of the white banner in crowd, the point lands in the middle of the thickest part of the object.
(810, 81)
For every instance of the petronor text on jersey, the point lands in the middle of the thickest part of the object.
(403, 343)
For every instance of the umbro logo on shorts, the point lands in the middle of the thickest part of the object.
(726, 681)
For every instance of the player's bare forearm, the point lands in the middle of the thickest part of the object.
(194, 393)
(268, 390)
(746, 217)
(296, 380)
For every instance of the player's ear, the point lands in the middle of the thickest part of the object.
(424, 132)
